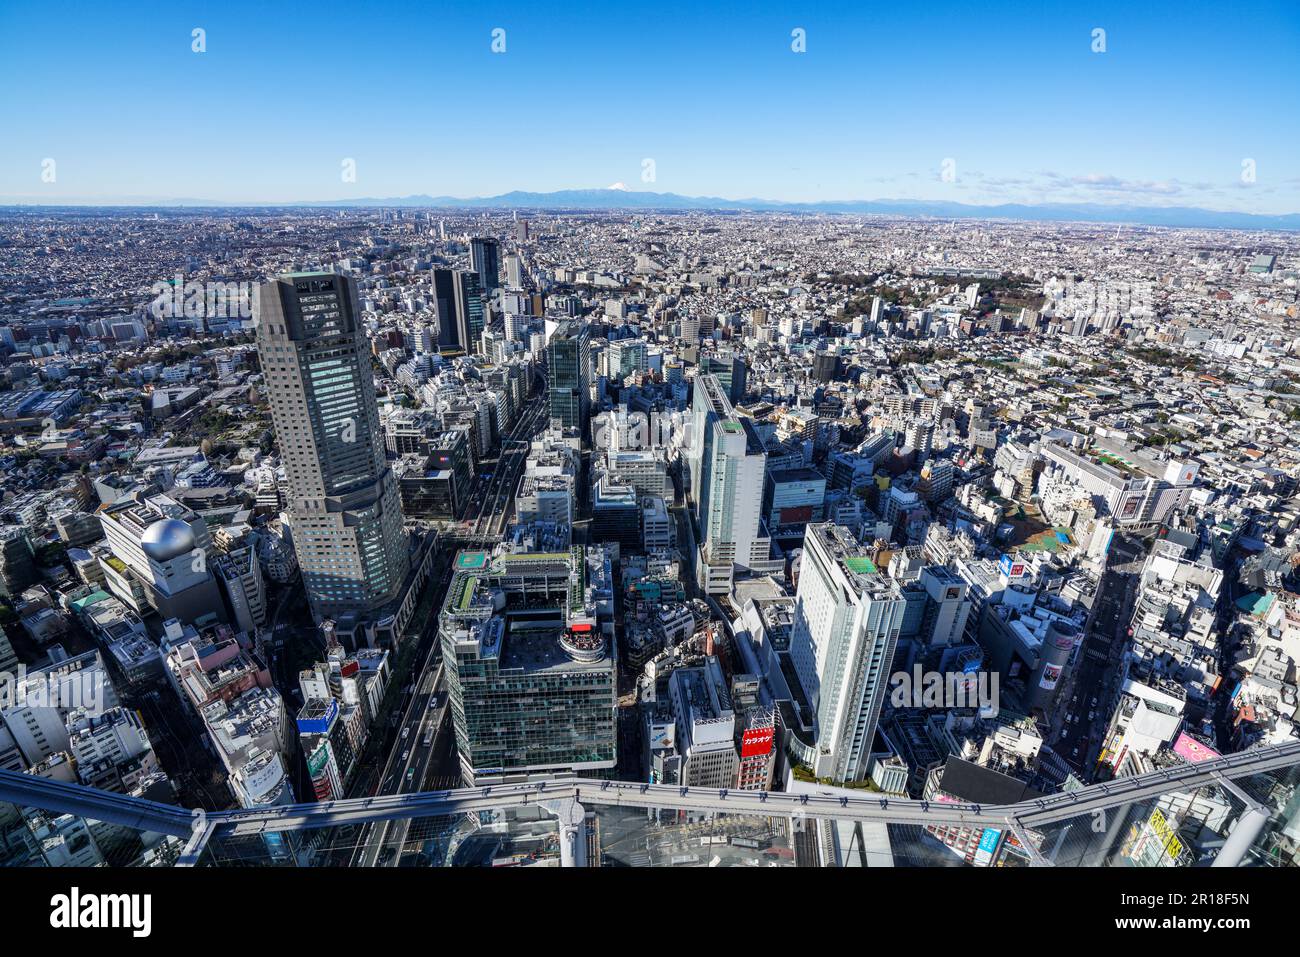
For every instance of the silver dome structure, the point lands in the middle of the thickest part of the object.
(165, 540)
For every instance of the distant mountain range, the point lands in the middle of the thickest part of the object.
(1056, 212)
(621, 198)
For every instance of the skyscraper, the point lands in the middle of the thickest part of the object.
(459, 304)
(514, 271)
(568, 362)
(730, 370)
(485, 260)
(347, 519)
(727, 461)
(846, 623)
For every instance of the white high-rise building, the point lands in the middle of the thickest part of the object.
(728, 462)
(846, 622)
(514, 271)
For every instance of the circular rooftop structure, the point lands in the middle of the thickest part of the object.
(583, 643)
(165, 540)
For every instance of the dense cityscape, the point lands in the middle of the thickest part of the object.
(318, 508)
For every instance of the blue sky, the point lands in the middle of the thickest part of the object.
(1011, 93)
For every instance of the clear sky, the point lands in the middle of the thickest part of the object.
(1011, 93)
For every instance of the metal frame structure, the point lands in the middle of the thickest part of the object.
(198, 827)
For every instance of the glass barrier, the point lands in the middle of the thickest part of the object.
(31, 837)
(1253, 820)
(510, 837)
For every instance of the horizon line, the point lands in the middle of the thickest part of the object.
(31, 199)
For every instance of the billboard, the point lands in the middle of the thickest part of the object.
(319, 758)
(988, 844)
(1152, 843)
(319, 724)
(1193, 751)
(662, 736)
(1011, 567)
(795, 514)
(1051, 675)
(756, 742)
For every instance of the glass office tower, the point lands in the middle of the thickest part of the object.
(458, 301)
(485, 260)
(567, 364)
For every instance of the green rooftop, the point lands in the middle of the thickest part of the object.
(93, 598)
(861, 565)
(534, 558)
(1256, 603)
(466, 593)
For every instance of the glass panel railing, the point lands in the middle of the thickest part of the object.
(509, 837)
(1185, 827)
(1253, 820)
(1277, 844)
(31, 837)
(674, 837)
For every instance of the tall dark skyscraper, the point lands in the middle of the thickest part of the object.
(485, 260)
(343, 498)
(444, 296)
(459, 303)
(469, 311)
(568, 373)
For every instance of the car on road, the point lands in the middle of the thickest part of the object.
(406, 754)
(1074, 753)
(405, 732)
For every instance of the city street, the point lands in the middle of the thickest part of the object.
(1086, 704)
(422, 754)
